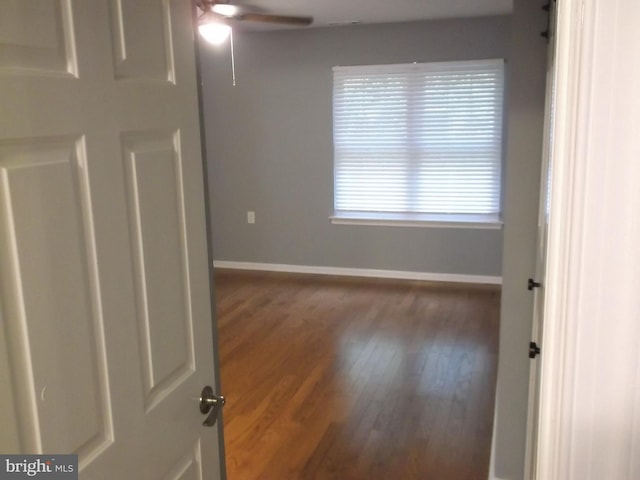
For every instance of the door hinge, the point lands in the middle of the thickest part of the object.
(534, 350)
(531, 284)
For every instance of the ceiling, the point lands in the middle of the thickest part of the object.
(345, 12)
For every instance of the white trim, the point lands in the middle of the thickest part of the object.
(410, 67)
(564, 235)
(486, 222)
(587, 429)
(360, 272)
(541, 250)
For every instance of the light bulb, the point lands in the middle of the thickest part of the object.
(225, 9)
(215, 33)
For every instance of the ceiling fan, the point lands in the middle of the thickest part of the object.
(225, 12)
(216, 17)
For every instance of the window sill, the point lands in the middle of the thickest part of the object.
(491, 222)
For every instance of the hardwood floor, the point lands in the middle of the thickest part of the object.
(343, 378)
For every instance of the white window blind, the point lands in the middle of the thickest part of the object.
(418, 138)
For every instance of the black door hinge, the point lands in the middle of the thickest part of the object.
(531, 284)
(534, 350)
(547, 33)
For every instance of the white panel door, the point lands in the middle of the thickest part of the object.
(105, 301)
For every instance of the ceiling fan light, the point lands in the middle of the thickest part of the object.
(214, 33)
(225, 9)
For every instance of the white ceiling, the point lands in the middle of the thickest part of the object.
(329, 12)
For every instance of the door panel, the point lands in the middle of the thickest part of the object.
(49, 270)
(155, 202)
(189, 468)
(105, 295)
(36, 36)
(141, 38)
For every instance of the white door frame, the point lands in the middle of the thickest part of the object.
(561, 206)
(589, 406)
(208, 221)
(541, 250)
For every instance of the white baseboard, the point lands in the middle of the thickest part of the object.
(360, 272)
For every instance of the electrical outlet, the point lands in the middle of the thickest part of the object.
(251, 217)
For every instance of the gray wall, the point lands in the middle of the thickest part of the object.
(524, 150)
(270, 150)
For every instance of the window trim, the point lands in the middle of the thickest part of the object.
(429, 220)
(415, 219)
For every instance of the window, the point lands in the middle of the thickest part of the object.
(418, 142)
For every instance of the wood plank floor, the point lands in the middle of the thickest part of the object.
(342, 378)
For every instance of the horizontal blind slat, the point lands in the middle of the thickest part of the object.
(422, 138)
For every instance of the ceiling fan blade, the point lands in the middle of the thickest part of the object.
(267, 18)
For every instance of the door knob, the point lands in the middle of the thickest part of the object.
(212, 404)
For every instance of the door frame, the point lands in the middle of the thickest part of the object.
(541, 252)
(564, 201)
(209, 228)
(585, 121)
